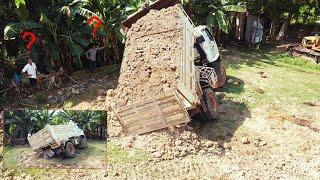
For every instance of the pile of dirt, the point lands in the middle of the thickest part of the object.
(151, 58)
(172, 144)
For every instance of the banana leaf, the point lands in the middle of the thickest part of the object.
(80, 40)
(220, 17)
(234, 8)
(21, 10)
(76, 50)
(14, 29)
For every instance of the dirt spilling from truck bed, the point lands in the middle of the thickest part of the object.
(151, 58)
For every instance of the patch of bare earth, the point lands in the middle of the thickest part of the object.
(261, 147)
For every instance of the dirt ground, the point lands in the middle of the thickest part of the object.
(268, 128)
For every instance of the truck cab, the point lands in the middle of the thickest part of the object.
(207, 44)
(78, 132)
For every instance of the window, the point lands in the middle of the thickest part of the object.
(208, 34)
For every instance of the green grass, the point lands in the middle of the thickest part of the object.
(94, 153)
(10, 155)
(118, 155)
(289, 83)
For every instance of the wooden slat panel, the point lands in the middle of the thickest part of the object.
(155, 117)
(152, 114)
(171, 109)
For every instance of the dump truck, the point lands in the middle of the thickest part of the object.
(58, 139)
(200, 74)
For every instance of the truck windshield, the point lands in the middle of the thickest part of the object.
(208, 34)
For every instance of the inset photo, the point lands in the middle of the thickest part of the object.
(55, 139)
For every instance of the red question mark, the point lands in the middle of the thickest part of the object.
(32, 36)
(98, 24)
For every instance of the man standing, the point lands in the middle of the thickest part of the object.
(31, 70)
(91, 55)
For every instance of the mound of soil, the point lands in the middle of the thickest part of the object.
(151, 58)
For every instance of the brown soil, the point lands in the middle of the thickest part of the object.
(151, 56)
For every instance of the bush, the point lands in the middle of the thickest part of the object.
(41, 98)
(112, 70)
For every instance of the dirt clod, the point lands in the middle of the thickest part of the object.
(245, 140)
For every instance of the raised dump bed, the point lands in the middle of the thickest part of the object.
(162, 49)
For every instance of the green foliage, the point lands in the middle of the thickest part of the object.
(13, 30)
(61, 29)
(214, 13)
(112, 70)
(21, 9)
(89, 121)
(41, 98)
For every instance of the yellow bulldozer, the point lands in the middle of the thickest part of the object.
(311, 42)
(309, 48)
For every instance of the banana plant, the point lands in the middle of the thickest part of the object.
(89, 121)
(214, 12)
(19, 123)
(61, 29)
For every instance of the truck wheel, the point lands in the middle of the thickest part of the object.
(69, 150)
(83, 143)
(211, 104)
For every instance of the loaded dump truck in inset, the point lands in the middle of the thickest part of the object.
(200, 74)
(57, 139)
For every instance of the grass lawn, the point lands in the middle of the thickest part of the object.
(276, 82)
(118, 155)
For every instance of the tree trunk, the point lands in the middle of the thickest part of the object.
(273, 28)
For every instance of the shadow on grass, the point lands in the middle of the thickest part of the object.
(249, 57)
(232, 114)
(234, 87)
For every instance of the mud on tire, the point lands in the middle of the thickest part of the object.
(211, 104)
(69, 150)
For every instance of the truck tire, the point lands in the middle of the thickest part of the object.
(83, 143)
(211, 104)
(69, 150)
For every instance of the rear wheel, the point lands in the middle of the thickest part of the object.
(69, 150)
(211, 104)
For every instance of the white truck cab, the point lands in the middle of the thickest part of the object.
(208, 44)
(78, 132)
